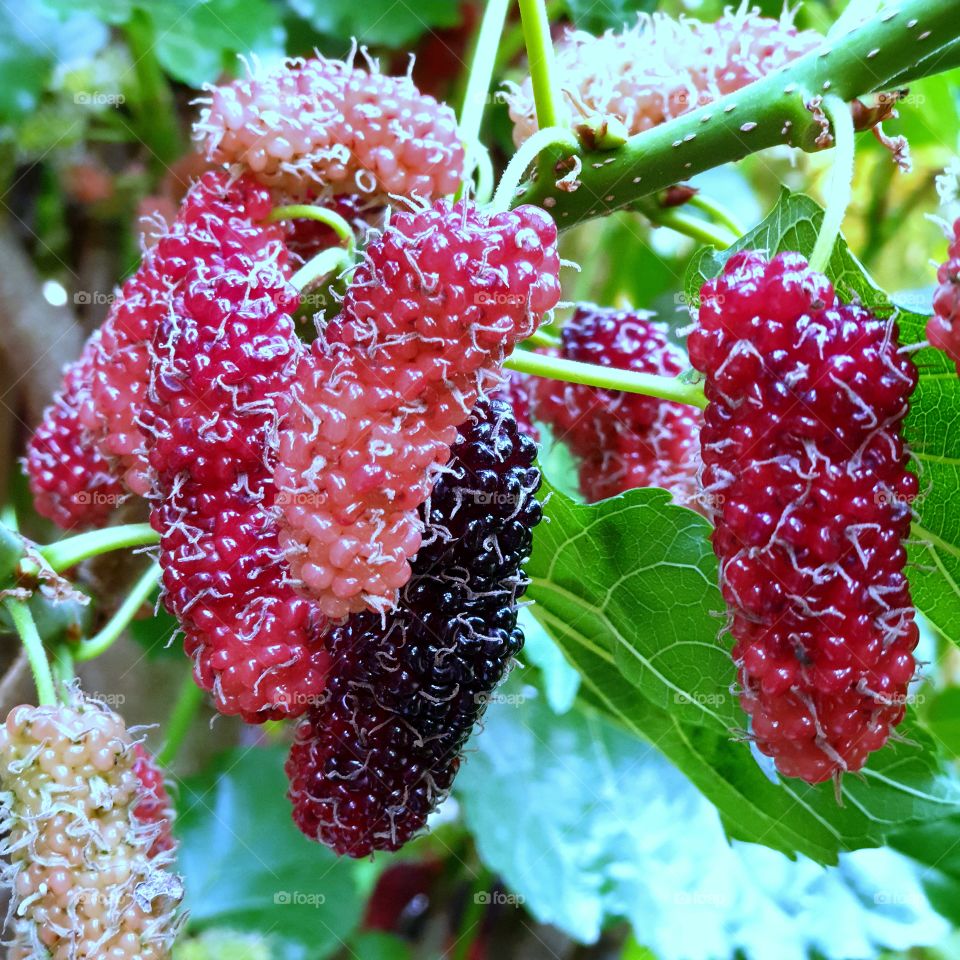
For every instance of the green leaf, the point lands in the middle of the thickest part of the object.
(32, 42)
(373, 945)
(377, 21)
(941, 716)
(248, 868)
(560, 680)
(627, 587)
(930, 429)
(158, 635)
(595, 16)
(197, 40)
(588, 825)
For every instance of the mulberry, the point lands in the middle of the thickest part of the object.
(90, 439)
(943, 328)
(71, 481)
(518, 390)
(89, 877)
(154, 806)
(224, 359)
(322, 126)
(217, 218)
(426, 322)
(623, 440)
(382, 748)
(805, 470)
(661, 67)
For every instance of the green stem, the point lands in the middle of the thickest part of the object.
(114, 627)
(896, 43)
(155, 109)
(840, 190)
(181, 717)
(306, 211)
(481, 70)
(543, 68)
(67, 553)
(529, 151)
(716, 210)
(36, 656)
(610, 378)
(542, 338)
(330, 261)
(700, 230)
(62, 665)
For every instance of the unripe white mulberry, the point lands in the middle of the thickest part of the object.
(89, 876)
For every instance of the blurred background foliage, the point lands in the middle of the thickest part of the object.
(567, 837)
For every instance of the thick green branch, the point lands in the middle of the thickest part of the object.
(893, 47)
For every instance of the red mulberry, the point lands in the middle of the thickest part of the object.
(661, 68)
(225, 357)
(322, 126)
(442, 297)
(805, 469)
(217, 218)
(623, 440)
(943, 328)
(517, 390)
(154, 806)
(93, 425)
(382, 749)
(71, 481)
(90, 878)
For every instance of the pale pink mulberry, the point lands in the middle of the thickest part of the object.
(661, 67)
(326, 127)
(428, 318)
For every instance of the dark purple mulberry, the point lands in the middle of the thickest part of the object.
(382, 748)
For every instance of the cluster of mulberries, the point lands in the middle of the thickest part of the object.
(223, 362)
(382, 749)
(88, 868)
(805, 470)
(623, 440)
(441, 298)
(94, 421)
(943, 328)
(72, 483)
(661, 67)
(325, 127)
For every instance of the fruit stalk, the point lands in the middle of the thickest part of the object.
(894, 47)
(592, 374)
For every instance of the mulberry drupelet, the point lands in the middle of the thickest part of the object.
(428, 318)
(382, 749)
(806, 471)
(623, 440)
